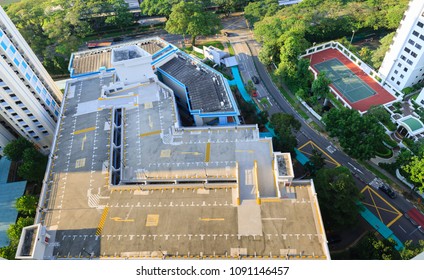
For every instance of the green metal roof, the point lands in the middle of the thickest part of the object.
(413, 123)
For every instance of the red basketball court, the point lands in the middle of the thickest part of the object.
(381, 96)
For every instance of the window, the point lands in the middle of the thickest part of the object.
(24, 65)
(36, 137)
(45, 147)
(412, 42)
(16, 61)
(415, 33)
(402, 57)
(402, 76)
(422, 37)
(420, 24)
(398, 83)
(45, 132)
(407, 50)
(3, 45)
(413, 54)
(396, 71)
(392, 78)
(405, 69)
(418, 46)
(399, 64)
(12, 48)
(409, 62)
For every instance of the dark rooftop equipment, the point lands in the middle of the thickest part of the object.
(206, 89)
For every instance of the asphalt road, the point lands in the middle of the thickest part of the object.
(247, 50)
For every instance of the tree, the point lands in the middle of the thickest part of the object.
(415, 169)
(33, 166)
(371, 248)
(338, 197)
(378, 55)
(190, 18)
(285, 126)
(229, 6)
(320, 87)
(14, 150)
(121, 16)
(27, 204)
(8, 252)
(304, 77)
(157, 7)
(256, 11)
(380, 113)
(358, 135)
(14, 230)
(411, 250)
(315, 163)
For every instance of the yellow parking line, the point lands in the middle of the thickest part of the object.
(150, 133)
(84, 130)
(211, 219)
(208, 152)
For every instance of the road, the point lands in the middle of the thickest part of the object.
(246, 50)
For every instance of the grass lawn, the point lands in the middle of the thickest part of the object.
(230, 49)
(216, 44)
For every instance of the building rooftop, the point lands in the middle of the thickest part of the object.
(126, 180)
(208, 96)
(90, 61)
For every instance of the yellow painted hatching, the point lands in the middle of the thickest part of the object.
(102, 221)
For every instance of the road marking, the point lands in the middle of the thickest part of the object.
(371, 191)
(150, 133)
(84, 130)
(102, 221)
(119, 219)
(80, 163)
(150, 122)
(245, 151)
(208, 152)
(315, 146)
(152, 220)
(211, 219)
(83, 141)
(191, 153)
(274, 219)
(381, 208)
(402, 229)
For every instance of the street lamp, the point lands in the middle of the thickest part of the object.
(310, 60)
(351, 39)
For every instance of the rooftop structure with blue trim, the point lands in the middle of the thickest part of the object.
(202, 94)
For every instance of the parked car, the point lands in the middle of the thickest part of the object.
(255, 80)
(387, 190)
(255, 93)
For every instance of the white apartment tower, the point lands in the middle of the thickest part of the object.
(29, 98)
(403, 65)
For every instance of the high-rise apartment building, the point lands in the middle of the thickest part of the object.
(29, 98)
(403, 65)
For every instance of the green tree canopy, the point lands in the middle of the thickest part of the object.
(257, 10)
(14, 150)
(33, 166)
(315, 163)
(415, 169)
(191, 19)
(358, 135)
(285, 126)
(372, 248)
(380, 113)
(337, 196)
(320, 86)
(157, 7)
(378, 55)
(27, 205)
(14, 230)
(411, 250)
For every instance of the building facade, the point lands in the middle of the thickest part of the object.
(403, 65)
(29, 98)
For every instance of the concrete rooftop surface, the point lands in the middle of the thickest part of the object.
(126, 180)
